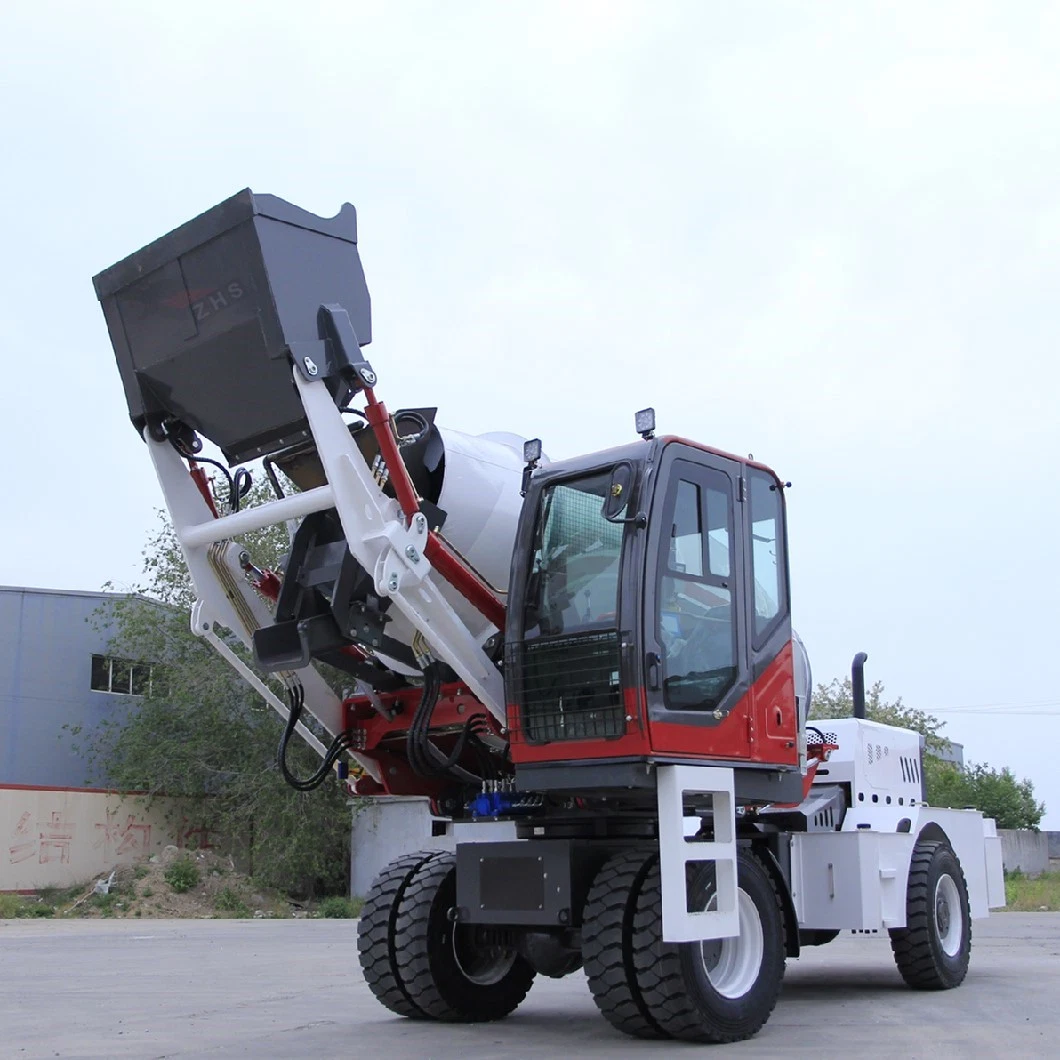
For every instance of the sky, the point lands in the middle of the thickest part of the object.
(826, 234)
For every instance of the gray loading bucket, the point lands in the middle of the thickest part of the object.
(205, 322)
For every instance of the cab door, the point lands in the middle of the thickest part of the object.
(774, 714)
(694, 616)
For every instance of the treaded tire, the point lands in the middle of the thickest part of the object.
(426, 945)
(607, 943)
(673, 979)
(920, 947)
(375, 934)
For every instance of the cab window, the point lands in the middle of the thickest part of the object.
(696, 624)
(574, 575)
(766, 552)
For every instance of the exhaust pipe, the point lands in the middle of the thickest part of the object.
(857, 681)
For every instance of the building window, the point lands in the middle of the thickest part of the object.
(121, 676)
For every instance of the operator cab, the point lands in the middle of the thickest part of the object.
(649, 616)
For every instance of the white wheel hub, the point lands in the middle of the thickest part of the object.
(732, 965)
(949, 915)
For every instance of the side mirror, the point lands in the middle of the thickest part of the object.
(619, 490)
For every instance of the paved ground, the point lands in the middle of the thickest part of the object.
(292, 989)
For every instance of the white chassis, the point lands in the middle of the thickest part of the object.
(851, 878)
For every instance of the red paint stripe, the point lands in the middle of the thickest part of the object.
(50, 787)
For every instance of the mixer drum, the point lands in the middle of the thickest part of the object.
(470, 491)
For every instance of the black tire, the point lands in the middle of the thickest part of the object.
(375, 934)
(933, 949)
(447, 970)
(673, 978)
(607, 943)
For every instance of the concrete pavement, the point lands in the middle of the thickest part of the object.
(292, 988)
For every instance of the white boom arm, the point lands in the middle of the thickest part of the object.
(376, 533)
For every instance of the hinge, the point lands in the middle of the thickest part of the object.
(741, 489)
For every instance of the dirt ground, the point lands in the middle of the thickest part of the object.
(172, 884)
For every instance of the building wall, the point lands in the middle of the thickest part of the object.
(1024, 851)
(953, 752)
(53, 838)
(47, 640)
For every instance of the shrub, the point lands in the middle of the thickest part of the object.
(13, 905)
(182, 875)
(10, 906)
(229, 901)
(337, 908)
(105, 903)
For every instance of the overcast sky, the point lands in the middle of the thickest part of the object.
(827, 234)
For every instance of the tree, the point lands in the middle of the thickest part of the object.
(201, 731)
(995, 794)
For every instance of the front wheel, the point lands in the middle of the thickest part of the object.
(376, 943)
(462, 973)
(721, 990)
(933, 949)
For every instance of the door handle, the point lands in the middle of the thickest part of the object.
(654, 661)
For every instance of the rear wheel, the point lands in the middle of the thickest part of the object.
(376, 934)
(721, 990)
(607, 943)
(933, 949)
(450, 971)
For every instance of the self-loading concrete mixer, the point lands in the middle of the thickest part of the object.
(597, 650)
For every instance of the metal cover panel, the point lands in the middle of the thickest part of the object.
(511, 883)
(516, 882)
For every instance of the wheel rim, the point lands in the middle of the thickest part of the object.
(483, 965)
(949, 915)
(732, 965)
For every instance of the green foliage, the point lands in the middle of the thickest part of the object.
(182, 875)
(996, 793)
(210, 737)
(14, 906)
(338, 908)
(836, 700)
(1038, 895)
(229, 900)
(60, 896)
(105, 903)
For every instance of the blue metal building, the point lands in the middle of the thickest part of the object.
(55, 672)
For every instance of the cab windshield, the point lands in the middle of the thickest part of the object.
(574, 570)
